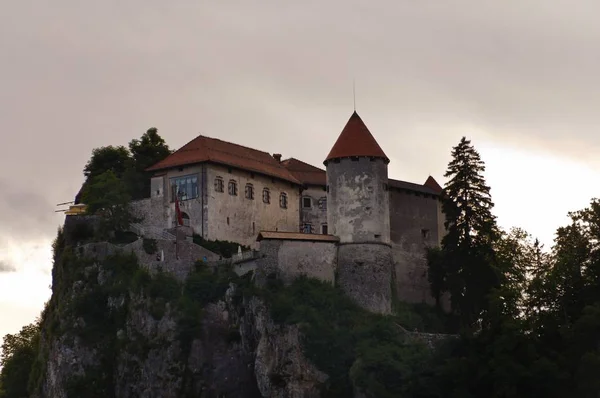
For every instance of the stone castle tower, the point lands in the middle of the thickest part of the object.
(358, 212)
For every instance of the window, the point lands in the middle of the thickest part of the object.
(253, 227)
(323, 203)
(185, 187)
(232, 188)
(324, 229)
(266, 195)
(283, 200)
(307, 202)
(425, 233)
(186, 219)
(249, 191)
(218, 184)
(307, 228)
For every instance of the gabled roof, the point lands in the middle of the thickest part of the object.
(276, 235)
(307, 174)
(355, 140)
(205, 149)
(433, 184)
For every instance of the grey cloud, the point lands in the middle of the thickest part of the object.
(78, 75)
(6, 267)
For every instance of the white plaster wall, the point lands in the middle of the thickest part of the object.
(242, 212)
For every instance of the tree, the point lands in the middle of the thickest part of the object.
(114, 158)
(469, 270)
(107, 196)
(19, 352)
(147, 151)
(108, 158)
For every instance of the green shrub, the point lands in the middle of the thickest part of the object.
(340, 336)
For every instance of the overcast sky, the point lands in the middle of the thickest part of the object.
(520, 78)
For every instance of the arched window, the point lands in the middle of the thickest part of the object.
(283, 200)
(233, 188)
(266, 195)
(249, 191)
(218, 184)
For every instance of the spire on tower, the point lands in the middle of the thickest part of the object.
(356, 140)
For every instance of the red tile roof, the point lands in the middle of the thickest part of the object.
(205, 149)
(305, 173)
(356, 140)
(433, 184)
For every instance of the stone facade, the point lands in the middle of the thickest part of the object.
(364, 273)
(313, 210)
(239, 219)
(414, 224)
(358, 214)
(216, 213)
(358, 204)
(289, 259)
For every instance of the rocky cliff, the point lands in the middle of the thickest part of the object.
(114, 328)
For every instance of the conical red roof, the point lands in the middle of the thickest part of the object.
(355, 140)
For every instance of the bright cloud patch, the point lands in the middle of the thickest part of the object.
(535, 191)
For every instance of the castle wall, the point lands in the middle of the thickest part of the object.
(358, 204)
(316, 214)
(238, 219)
(180, 268)
(289, 259)
(364, 273)
(415, 224)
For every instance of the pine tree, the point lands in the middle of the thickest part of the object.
(471, 234)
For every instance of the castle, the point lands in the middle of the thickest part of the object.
(350, 224)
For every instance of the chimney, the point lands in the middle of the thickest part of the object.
(277, 157)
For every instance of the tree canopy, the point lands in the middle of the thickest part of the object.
(128, 164)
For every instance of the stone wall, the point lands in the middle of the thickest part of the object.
(316, 214)
(290, 259)
(152, 213)
(415, 225)
(358, 201)
(189, 253)
(364, 273)
(239, 219)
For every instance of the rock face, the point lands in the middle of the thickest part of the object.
(238, 351)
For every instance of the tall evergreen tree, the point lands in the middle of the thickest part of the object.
(469, 255)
